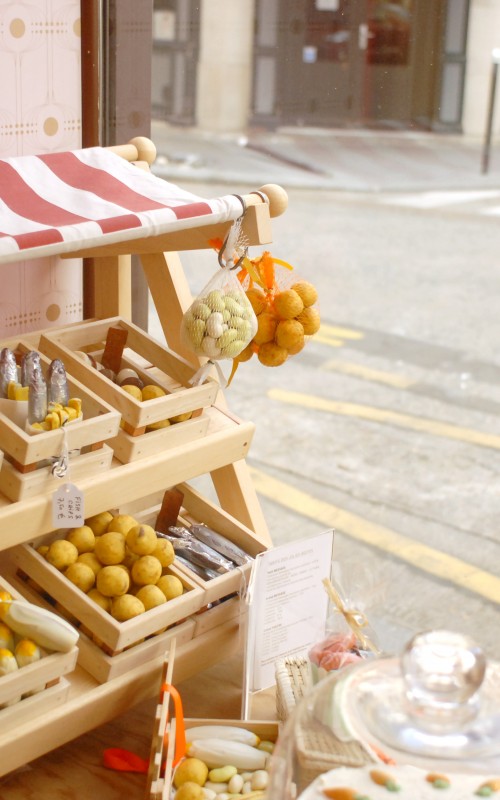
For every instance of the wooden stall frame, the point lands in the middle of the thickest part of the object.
(221, 455)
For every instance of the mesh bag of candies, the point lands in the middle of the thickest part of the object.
(220, 322)
(250, 306)
(286, 308)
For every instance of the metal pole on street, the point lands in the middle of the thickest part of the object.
(485, 161)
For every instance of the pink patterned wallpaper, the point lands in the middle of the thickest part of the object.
(40, 112)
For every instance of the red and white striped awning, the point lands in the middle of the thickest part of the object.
(63, 202)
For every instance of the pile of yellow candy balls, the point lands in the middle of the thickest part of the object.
(121, 564)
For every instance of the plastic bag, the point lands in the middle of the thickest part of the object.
(349, 636)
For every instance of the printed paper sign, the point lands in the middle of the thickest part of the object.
(288, 605)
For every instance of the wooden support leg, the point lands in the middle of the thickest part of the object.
(112, 282)
(237, 496)
(171, 296)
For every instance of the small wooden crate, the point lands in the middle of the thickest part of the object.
(128, 448)
(26, 469)
(103, 666)
(21, 486)
(230, 608)
(171, 372)
(198, 509)
(47, 671)
(36, 705)
(159, 786)
(115, 636)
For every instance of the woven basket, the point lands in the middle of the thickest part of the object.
(316, 746)
(292, 681)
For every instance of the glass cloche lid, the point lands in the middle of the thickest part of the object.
(437, 706)
(434, 701)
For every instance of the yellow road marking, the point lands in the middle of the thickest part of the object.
(435, 562)
(318, 337)
(371, 414)
(378, 376)
(344, 333)
(334, 336)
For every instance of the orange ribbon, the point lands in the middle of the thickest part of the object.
(122, 760)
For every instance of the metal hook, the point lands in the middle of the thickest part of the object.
(221, 251)
(238, 263)
(60, 467)
(243, 203)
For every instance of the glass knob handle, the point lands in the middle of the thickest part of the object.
(443, 672)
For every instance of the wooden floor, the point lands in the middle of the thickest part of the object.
(76, 771)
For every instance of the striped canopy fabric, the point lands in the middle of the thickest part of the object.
(63, 202)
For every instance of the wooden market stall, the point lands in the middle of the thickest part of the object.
(114, 471)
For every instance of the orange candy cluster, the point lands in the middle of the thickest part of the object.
(286, 315)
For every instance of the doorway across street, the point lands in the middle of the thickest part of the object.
(370, 62)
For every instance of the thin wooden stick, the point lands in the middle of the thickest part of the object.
(154, 783)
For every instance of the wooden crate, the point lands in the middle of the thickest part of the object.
(163, 740)
(47, 671)
(128, 448)
(230, 608)
(21, 486)
(198, 509)
(112, 635)
(104, 666)
(171, 372)
(199, 593)
(159, 787)
(27, 453)
(36, 705)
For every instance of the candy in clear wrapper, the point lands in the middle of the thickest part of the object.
(221, 544)
(57, 383)
(202, 572)
(37, 399)
(8, 370)
(186, 545)
(348, 636)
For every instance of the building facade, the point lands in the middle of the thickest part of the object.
(224, 65)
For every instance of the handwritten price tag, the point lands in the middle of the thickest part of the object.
(67, 507)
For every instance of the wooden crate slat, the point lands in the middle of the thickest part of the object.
(100, 422)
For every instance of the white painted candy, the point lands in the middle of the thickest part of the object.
(235, 785)
(126, 373)
(259, 780)
(209, 347)
(214, 325)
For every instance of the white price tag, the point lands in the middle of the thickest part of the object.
(67, 507)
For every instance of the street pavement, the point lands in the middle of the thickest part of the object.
(386, 428)
(359, 160)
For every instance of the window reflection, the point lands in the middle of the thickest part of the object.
(328, 34)
(389, 25)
